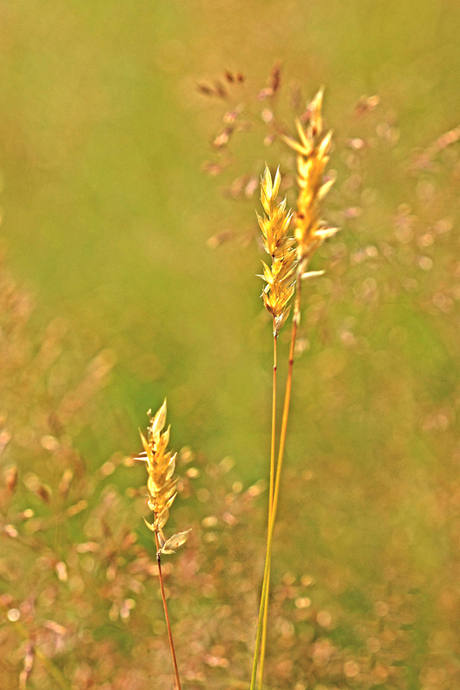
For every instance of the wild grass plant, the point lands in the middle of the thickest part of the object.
(81, 589)
(162, 490)
(290, 261)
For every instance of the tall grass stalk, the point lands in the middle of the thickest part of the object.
(275, 482)
(263, 616)
(284, 280)
(162, 490)
(280, 278)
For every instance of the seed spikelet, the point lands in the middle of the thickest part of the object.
(280, 276)
(161, 484)
(312, 157)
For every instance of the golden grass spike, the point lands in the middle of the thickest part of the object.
(162, 490)
(161, 464)
(312, 158)
(280, 280)
(274, 225)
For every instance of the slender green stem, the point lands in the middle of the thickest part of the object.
(264, 625)
(263, 609)
(273, 503)
(263, 599)
(287, 402)
(276, 490)
(270, 509)
(168, 625)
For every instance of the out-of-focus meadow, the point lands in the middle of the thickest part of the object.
(129, 244)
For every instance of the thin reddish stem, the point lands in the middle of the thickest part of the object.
(168, 625)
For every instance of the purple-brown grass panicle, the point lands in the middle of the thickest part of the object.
(312, 157)
(280, 276)
(161, 485)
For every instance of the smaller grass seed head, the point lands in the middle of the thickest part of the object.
(161, 484)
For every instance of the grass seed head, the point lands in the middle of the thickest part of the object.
(280, 276)
(312, 158)
(161, 484)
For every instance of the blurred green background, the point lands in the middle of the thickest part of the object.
(107, 212)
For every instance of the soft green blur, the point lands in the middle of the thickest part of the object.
(106, 216)
(106, 212)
